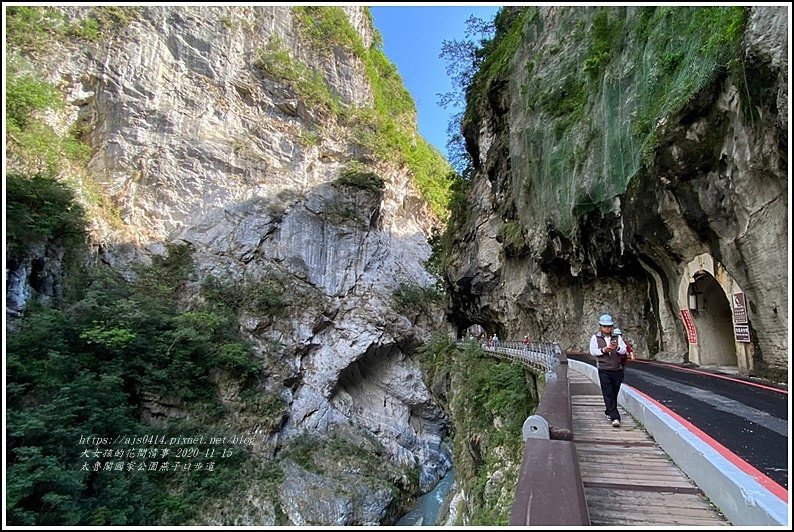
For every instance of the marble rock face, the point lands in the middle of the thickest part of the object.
(194, 143)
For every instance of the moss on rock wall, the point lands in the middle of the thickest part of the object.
(590, 89)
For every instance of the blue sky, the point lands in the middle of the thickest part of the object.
(412, 37)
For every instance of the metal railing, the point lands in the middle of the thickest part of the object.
(550, 489)
(539, 356)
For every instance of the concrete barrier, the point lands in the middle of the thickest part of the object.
(739, 496)
(555, 404)
(550, 491)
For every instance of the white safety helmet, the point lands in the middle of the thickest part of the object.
(606, 319)
(616, 332)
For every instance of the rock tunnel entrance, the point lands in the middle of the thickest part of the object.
(711, 314)
(705, 292)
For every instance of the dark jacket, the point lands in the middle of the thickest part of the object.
(608, 361)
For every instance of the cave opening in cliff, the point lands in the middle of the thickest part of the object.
(711, 312)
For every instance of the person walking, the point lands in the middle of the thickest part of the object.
(608, 349)
(526, 341)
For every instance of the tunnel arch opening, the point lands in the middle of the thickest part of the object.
(704, 294)
(711, 314)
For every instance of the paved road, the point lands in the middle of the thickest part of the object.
(751, 420)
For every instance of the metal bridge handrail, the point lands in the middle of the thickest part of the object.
(539, 356)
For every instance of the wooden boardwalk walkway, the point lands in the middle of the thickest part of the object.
(628, 479)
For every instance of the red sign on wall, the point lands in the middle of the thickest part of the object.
(689, 325)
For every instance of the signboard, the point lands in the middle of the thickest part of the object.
(742, 333)
(689, 325)
(739, 309)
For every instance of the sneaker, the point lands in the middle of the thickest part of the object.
(616, 423)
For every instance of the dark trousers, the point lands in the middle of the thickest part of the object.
(610, 386)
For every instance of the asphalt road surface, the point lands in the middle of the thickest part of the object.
(748, 418)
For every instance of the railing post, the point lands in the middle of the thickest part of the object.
(535, 427)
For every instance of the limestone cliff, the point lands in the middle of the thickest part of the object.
(240, 131)
(631, 161)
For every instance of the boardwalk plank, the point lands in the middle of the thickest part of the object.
(683, 504)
